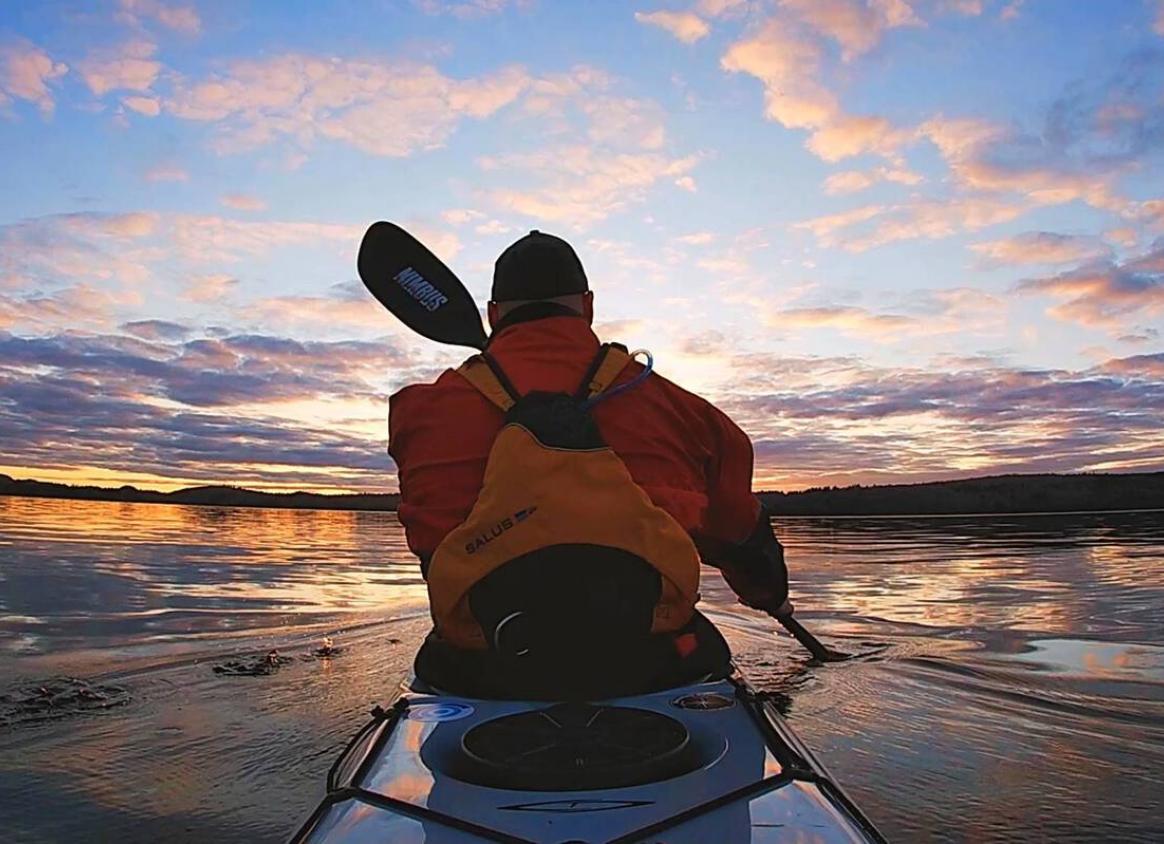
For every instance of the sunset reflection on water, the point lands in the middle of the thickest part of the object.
(1013, 686)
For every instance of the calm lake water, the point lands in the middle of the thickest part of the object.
(1012, 688)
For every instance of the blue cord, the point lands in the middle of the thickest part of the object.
(634, 382)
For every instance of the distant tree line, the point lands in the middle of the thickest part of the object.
(999, 494)
(220, 496)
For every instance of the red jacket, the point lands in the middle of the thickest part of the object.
(688, 456)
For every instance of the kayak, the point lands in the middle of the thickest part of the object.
(711, 761)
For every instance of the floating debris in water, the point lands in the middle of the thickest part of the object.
(254, 666)
(58, 697)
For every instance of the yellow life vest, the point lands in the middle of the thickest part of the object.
(538, 494)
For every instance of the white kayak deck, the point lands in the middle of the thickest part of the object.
(751, 781)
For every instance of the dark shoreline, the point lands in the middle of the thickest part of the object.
(998, 494)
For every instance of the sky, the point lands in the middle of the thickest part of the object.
(895, 240)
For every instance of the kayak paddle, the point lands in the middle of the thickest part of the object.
(810, 642)
(418, 288)
(424, 294)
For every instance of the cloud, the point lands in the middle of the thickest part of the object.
(48, 252)
(1104, 293)
(493, 227)
(76, 306)
(688, 27)
(848, 319)
(1123, 236)
(243, 202)
(461, 216)
(129, 67)
(26, 72)
(149, 106)
(581, 185)
(180, 18)
(381, 107)
(787, 61)
(156, 329)
(1142, 366)
(207, 408)
(1011, 10)
(787, 66)
(870, 226)
(208, 238)
(210, 288)
(852, 181)
(1142, 335)
(167, 173)
(126, 254)
(469, 9)
(856, 26)
(926, 313)
(969, 8)
(828, 418)
(1040, 248)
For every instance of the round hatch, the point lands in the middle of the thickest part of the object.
(577, 747)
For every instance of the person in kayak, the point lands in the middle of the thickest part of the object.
(560, 496)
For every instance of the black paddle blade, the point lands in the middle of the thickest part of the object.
(414, 285)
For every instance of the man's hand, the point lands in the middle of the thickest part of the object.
(783, 611)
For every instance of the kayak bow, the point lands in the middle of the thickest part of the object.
(712, 761)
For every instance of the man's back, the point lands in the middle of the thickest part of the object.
(689, 458)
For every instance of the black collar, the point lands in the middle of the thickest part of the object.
(531, 312)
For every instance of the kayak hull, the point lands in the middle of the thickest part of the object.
(737, 774)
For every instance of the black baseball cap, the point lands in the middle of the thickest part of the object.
(538, 266)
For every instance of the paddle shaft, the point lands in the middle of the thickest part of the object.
(810, 642)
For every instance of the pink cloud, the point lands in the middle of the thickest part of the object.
(787, 58)
(312, 311)
(846, 136)
(688, 27)
(856, 26)
(243, 202)
(1145, 366)
(928, 219)
(380, 107)
(26, 72)
(1105, 294)
(1040, 248)
(951, 311)
(969, 8)
(210, 288)
(129, 67)
(167, 173)
(581, 185)
(173, 16)
(852, 181)
(1122, 236)
(846, 318)
(786, 63)
(76, 306)
(149, 106)
(469, 9)
(460, 216)
(697, 238)
(1011, 10)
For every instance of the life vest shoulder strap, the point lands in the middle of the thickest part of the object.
(611, 360)
(486, 374)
